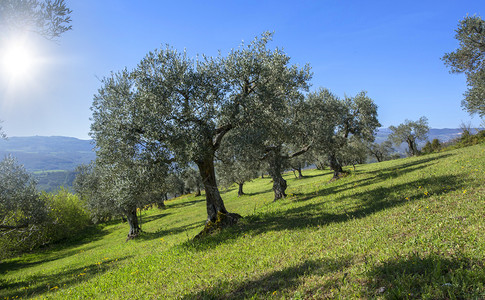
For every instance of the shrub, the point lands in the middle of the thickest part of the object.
(66, 217)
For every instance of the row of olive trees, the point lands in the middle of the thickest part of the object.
(245, 108)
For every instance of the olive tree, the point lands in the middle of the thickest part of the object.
(187, 106)
(47, 18)
(236, 164)
(192, 180)
(380, 151)
(469, 58)
(21, 208)
(340, 120)
(88, 185)
(129, 164)
(410, 132)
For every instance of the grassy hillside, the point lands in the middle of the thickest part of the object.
(409, 228)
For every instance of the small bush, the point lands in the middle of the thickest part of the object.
(467, 139)
(66, 217)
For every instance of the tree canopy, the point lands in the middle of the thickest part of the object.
(175, 109)
(410, 132)
(342, 124)
(47, 18)
(20, 205)
(469, 58)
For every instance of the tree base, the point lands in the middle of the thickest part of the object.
(132, 236)
(339, 175)
(223, 221)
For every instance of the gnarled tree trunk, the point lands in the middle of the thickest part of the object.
(335, 166)
(279, 184)
(132, 218)
(213, 198)
(240, 192)
(300, 175)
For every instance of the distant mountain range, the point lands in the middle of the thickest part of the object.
(41, 153)
(443, 135)
(53, 159)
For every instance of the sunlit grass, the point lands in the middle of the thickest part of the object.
(410, 228)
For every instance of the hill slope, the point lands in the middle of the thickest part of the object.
(408, 228)
(41, 153)
(52, 159)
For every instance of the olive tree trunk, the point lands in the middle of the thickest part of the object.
(132, 218)
(335, 166)
(275, 165)
(240, 192)
(213, 198)
(300, 175)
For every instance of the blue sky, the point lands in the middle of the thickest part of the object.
(391, 49)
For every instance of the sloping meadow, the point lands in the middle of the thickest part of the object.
(408, 228)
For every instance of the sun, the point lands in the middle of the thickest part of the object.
(17, 59)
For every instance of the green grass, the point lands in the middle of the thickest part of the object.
(408, 228)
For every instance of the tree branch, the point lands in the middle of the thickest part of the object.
(301, 151)
(12, 227)
(220, 132)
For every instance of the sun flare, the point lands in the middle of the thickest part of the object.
(17, 59)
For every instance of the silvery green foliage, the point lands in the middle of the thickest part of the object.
(2, 133)
(88, 184)
(410, 132)
(48, 18)
(20, 205)
(469, 58)
(380, 151)
(236, 164)
(354, 152)
(174, 108)
(340, 121)
(192, 180)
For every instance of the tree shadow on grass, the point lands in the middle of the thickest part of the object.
(36, 285)
(55, 251)
(183, 204)
(406, 164)
(376, 177)
(154, 217)
(161, 233)
(257, 193)
(279, 281)
(316, 214)
(432, 277)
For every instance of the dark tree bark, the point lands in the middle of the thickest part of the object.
(379, 156)
(132, 218)
(197, 192)
(275, 164)
(240, 192)
(213, 198)
(300, 175)
(161, 200)
(335, 166)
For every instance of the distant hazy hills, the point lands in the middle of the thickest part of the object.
(41, 153)
(52, 159)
